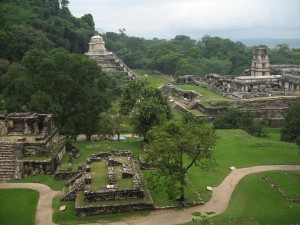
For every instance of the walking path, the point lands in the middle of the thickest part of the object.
(218, 203)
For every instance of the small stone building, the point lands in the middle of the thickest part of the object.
(30, 144)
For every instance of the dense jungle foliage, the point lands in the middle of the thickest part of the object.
(43, 69)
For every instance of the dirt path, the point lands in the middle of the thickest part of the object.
(44, 207)
(218, 203)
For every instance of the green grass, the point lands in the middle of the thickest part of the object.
(240, 149)
(87, 148)
(155, 80)
(210, 95)
(18, 206)
(98, 175)
(289, 182)
(272, 133)
(43, 179)
(234, 148)
(254, 198)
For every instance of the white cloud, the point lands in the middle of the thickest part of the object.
(165, 19)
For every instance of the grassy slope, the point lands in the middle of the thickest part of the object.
(156, 80)
(254, 198)
(234, 148)
(21, 208)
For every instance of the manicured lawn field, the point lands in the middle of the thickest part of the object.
(156, 80)
(18, 206)
(254, 199)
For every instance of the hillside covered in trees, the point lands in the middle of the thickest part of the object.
(43, 69)
(183, 55)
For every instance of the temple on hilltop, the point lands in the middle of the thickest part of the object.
(30, 144)
(107, 60)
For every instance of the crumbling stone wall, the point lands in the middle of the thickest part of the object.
(111, 194)
(34, 167)
(108, 209)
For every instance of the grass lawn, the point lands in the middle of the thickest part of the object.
(289, 182)
(156, 80)
(18, 206)
(256, 200)
(234, 148)
(98, 175)
(43, 179)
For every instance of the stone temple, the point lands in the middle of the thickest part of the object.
(107, 60)
(260, 63)
(265, 90)
(29, 144)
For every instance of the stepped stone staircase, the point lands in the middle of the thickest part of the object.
(7, 161)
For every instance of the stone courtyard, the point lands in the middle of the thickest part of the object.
(109, 182)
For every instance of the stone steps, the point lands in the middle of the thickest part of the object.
(7, 161)
(7, 169)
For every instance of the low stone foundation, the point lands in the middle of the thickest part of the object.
(107, 195)
(108, 209)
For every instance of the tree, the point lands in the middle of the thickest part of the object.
(174, 148)
(117, 118)
(235, 119)
(106, 125)
(70, 86)
(290, 131)
(146, 106)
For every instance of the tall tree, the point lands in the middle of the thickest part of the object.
(70, 86)
(174, 148)
(146, 106)
(235, 119)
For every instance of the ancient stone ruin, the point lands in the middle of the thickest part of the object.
(265, 90)
(30, 144)
(109, 182)
(107, 60)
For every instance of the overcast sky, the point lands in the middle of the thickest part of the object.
(234, 19)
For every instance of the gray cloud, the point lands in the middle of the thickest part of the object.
(165, 19)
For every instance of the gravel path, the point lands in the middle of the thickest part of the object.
(218, 203)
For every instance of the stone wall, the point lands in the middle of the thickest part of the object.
(34, 167)
(110, 194)
(179, 93)
(108, 209)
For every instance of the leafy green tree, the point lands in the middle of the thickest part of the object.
(174, 148)
(235, 119)
(146, 106)
(117, 118)
(290, 131)
(70, 86)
